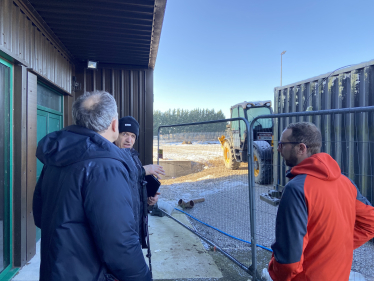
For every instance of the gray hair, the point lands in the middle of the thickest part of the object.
(95, 110)
(308, 134)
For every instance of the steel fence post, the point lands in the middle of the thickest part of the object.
(251, 197)
(158, 145)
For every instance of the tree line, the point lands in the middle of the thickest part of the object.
(182, 116)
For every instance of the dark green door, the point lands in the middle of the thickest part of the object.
(49, 119)
(5, 166)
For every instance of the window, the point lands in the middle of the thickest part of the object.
(48, 98)
(242, 124)
(253, 112)
(234, 114)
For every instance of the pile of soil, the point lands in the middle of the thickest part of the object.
(214, 168)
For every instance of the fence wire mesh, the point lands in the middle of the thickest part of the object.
(348, 138)
(192, 157)
(198, 166)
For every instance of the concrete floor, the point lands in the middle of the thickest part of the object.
(176, 254)
(30, 272)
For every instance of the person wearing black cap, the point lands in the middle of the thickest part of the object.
(128, 134)
(85, 183)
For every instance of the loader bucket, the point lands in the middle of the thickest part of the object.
(222, 140)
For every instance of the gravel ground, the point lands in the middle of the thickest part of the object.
(226, 207)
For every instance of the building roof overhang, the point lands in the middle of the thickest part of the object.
(115, 32)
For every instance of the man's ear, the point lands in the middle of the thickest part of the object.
(302, 148)
(114, 125)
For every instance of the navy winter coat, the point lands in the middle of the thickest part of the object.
(84, 207)
(140, 209)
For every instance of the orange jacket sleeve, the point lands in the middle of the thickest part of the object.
(364, 226)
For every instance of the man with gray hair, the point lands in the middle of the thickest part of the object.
(322, 216)
(82, 201)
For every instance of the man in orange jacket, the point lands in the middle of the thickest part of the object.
(322, 216)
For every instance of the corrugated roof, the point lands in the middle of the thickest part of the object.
(125, 32)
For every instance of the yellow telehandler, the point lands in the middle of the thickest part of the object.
(234, 143)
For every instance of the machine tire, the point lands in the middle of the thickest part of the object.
(229, 157)
(263, 162)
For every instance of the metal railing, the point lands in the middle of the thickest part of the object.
(347, 139)
(224, 225)
(259, 232)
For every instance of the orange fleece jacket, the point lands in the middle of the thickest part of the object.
(322, 218)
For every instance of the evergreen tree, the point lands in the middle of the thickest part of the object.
(183, 116)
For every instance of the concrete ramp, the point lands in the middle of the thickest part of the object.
(176, 252)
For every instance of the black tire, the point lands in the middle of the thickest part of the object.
(229, 157)
(263, 162)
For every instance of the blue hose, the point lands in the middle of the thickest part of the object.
(270, 250)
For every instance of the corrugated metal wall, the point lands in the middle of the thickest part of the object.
(348, 138)
(133, 91)
(22, 39)
(36, 55)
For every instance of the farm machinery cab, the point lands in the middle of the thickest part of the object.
(234, 144)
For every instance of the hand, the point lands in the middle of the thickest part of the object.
(153, 200)
(155, 170)
(265, 275)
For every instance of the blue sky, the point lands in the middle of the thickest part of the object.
(215, 53)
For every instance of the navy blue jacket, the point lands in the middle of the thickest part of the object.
(140, 210)
(83, 204)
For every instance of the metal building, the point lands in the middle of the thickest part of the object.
(44, 50)
(347, 138)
